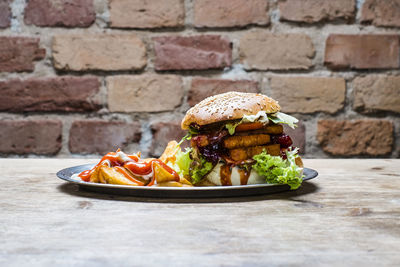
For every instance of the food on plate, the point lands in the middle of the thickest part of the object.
(123, 169)
(236, 139)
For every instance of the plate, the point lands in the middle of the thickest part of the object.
(178, 192)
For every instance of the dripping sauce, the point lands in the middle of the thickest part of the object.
(244, 176)
(225, 173)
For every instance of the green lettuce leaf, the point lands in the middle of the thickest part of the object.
(182, 163)
(281, 117)
(279, 171)
(232, 126)
(188, 136)
(199, 169)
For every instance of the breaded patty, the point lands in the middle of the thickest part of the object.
(271, 129)
(246, 141)
(244, 153)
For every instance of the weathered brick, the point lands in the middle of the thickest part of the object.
(5, 13)
(358, 137)
(66, 13)
(202, 88)
(308, 94)
(192, 52)
(163, 132)
(230, 13)
(298, 136)
(98, 136)
(30, 136)
(311, 11)
(377, 93)
(66, 93)
(99, 52)
(144, 93)
(267, 51)
(19, 53)
(381, 13)
(368, 51)
(146, 14)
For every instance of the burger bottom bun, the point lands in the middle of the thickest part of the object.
(214, 178)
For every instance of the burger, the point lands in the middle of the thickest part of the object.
(238, 139)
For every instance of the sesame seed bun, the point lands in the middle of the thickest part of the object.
(228, 106)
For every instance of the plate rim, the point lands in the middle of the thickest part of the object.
(60, 175)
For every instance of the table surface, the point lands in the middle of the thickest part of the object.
(349, 215)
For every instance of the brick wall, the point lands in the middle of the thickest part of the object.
(80, 77)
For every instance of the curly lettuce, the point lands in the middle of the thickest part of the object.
(281, 117)
(182, 162)
(187, 167)
(279, 171)
(199, 169)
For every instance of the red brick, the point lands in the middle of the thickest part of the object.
(192, 52)
(144, 93)
(202, 88)
(298, 136)
(146, 14)
(308, 94)
(358, 137)
(377, 93)
(381, 13)
(66, 13)
(369, 51)
(163, 132)
(30, 137)
(65, 93)
(267, 51)
(230, 13)
(19, 53)
(5, 13)
(311, 11)
(98, 136)
(108, 52)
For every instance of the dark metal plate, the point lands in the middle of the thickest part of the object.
(178, 192)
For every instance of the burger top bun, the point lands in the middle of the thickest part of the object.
(228, 106)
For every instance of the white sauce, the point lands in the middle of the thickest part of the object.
(215, 178)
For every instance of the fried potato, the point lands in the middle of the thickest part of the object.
(244, 153)
(94, 177)
(173, 184)
(111, 176)
(170, 152)
(101, 176)
(185, 181)
(246, 141)
(162, 175)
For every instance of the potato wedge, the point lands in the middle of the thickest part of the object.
(172, 184)
(112, 176)
(94, 177)
(184, 181)
(101, 176)
(170, 152)
(162, 175)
